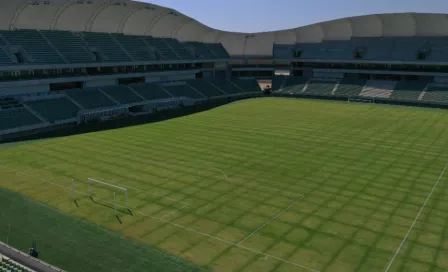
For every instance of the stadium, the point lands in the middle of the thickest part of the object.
(135, 138)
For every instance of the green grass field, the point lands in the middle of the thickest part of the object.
(261, 185)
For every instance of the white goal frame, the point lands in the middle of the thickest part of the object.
(89, 190)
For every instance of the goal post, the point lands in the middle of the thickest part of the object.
(93, 183)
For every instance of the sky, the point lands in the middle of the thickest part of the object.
(270, 15)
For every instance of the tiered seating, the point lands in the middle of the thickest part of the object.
(122, 94)
(34, 44)
(180, 49)
(150, 91)
(277, 82)
(378, 88)
(183, 90)
(408, 90)
(162, 47)
(294, 85)
(70, 45)
(436, 94)
(106, 45)
(320, 87)
(218, 50)
(350, 87)
(4, 58)
(247, 85)
(54, 109)
(7, 265)
(136, 47)
(202, 50)
(17, 117)
(8, 103)
(439, 49)
(283, 51)
(90, 98)
(225, 86)
(205, 87)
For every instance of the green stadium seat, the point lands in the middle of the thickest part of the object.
(202, 50)
(180, 49)
(437, 94)
(34, 44)
(350, 87)
(122, 94)
(107, 46)
(70, 45)
(226, 86)
(320, 87)
(183, 90)
(165, 51)
(247, 85)
(136, 47)
(150, 91)
(90, 98)
(277, 82)
(378, 88)
(54, 109)
(17, 117)
(205, 87)
(408, 90)
(294, 85)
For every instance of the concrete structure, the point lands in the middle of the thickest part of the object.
(132, 17)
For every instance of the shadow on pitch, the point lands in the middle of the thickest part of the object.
(107, 205)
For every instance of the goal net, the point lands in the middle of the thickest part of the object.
(115, 196)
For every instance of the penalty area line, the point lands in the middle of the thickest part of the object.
(416, 218)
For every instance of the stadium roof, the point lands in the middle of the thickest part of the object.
(132, 17)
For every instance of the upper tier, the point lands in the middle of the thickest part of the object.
(33, 47)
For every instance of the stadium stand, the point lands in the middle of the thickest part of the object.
(16, 117)
(122, 94)
(378, 88)
(55, 109)
(225, 86)
(294, 85)
(277, 82)
(71, 46)
(205, 87)
(105, 47)
(349, 87)
(202, 50)
(218, 50)
(246, 85)
(436, 93)
(181, 50)
(162, 48)
(150, 91)
(320, 87)
(8, 265)
(34, 44)
(136, 47)
(90, 98)
(183, 90)
(408, 90)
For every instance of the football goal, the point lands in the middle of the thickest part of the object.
(100, 190)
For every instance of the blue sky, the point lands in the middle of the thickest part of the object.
(268, 15)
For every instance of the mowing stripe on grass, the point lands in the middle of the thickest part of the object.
(267, 222)
(415, 220)
(181, 226)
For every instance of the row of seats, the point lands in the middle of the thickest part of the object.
(401, 90)
(58, 47)
(368, 48)
(7, 265)
(13, 114)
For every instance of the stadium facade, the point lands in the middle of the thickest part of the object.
(63, 63)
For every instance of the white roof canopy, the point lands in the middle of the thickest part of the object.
(132, 17)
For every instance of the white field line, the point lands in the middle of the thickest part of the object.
(262, 226)
(177, 225)
(176, 210)
(416, 218)
(130, 187)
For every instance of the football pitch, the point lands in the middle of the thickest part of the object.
(259, 185)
